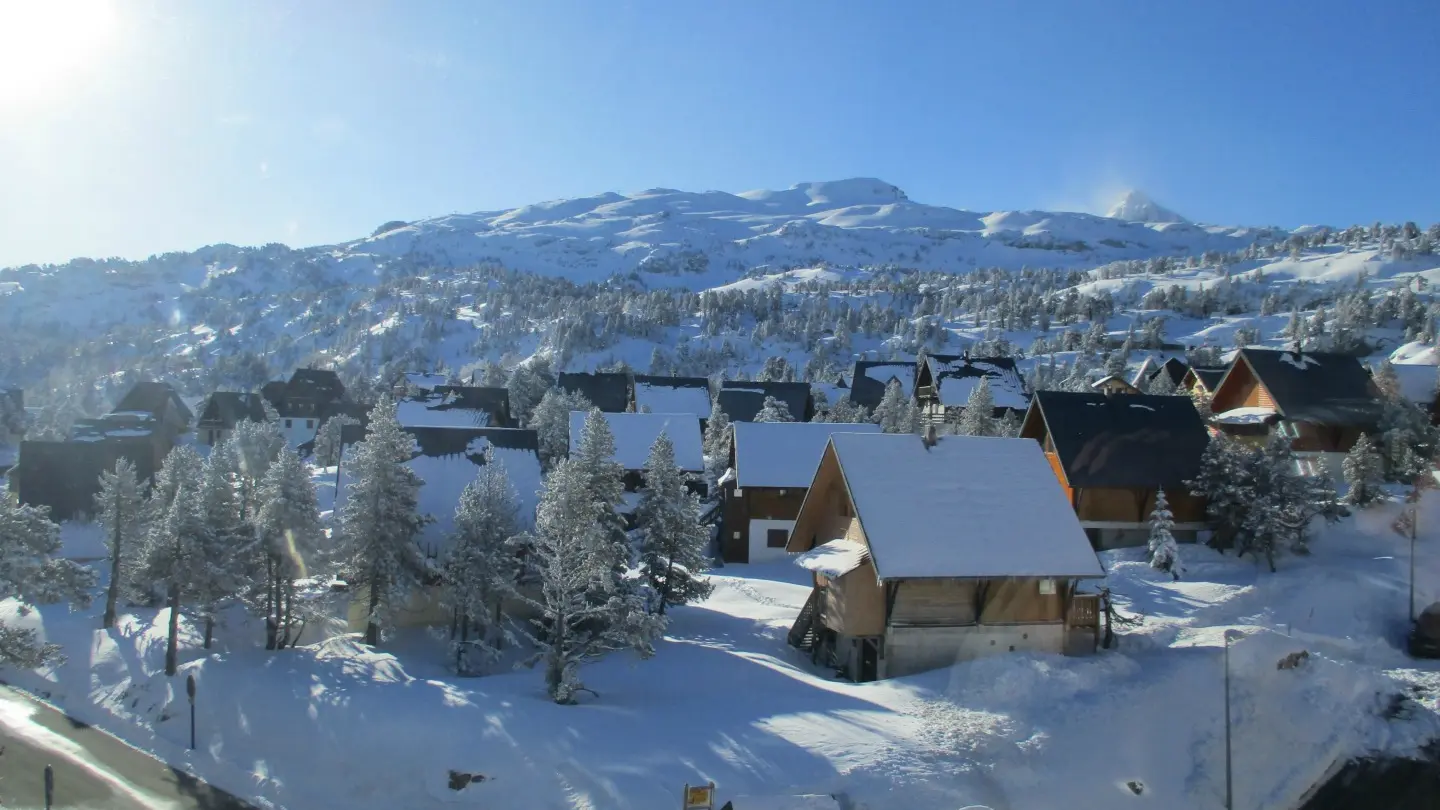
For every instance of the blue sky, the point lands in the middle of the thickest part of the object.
(186, 123)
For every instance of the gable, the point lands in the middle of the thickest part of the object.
(1318, 387)
(1121, 440)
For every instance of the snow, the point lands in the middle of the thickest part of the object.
(1135, 206)
(785, 454)
(967, 507)
(903, 372)
(635, 433)
(1250, 415)
(1301, 362)
(1142, 407)
(835, 558)
(1004, 390)
(1417, 382)
(426, 381)
(428, 411)
(670, 399)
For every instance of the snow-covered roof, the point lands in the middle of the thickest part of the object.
(425, 380)
(835, 558)
(673, 395)
(785, 454)
(1252, 415)
(636, 432)
(967, 507)
(438, 410)
(956, 376)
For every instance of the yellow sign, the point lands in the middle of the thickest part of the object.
(700, 797)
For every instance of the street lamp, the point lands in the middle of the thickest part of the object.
(1230, 635)
(190, 690)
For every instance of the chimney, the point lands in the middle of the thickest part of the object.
(928, 437)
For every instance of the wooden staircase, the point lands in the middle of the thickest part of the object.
(806, 630)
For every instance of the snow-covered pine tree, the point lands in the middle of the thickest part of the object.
(605, 482)
(379, 522)
(1364, 472)
(330, 439)
(774, 410)
(31, 575)
(182, 464)
(1008, 426)
(481, 566)
(174, 556)
(583, 614)
(1161, 385)
(845, 411)
(896, 412)
(1283, 502)
(1164, 552)
(227, 537)
(716, 445)
(672, 540)
(255, 446)
(978, 418)
(291, 539)
(1408, 441)
(527, 385)
(1225, 482)
(120, 510)
(551, 422)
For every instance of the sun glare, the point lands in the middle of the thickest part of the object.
(44, 43)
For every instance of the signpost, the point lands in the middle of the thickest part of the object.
(49, 787)
(190, 690)
(699, 797)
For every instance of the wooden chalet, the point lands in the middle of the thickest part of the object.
(1174, 368)
(741, 400)
(223, 410)
(1113, 384)
(1203, 379)
(1322, 401)
(871, 377)
(925, 552)
(306, 400)
(771, 466)
(608, 391)
(1112, 454)
(944, 381)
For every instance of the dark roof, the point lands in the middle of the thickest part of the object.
(608, 391)
(741, 400)
(229, 408)
(315, 383)
(450, 441)
(156, 398)
(868, 391)
(1123, 440)
(1321, 387)
(493, 400)
(1007, 387)
(1175, 367)
(1210, 376)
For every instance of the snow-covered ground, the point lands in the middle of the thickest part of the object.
(725, 699)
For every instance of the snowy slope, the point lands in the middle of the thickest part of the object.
(1135, 206)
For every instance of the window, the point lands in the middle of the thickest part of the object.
(309, 423)
(776, 538)
(287, 423)
(1047, 587)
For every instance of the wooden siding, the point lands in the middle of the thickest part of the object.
(1240, 389)
(827, 513)
(1135, 505)
(1019, 601)
(933, 602)
(754, 503)
(855, 603)
(1059, 469)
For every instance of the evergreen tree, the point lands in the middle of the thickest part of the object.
(291, 538)
(330, 440)
(716, 447)
(1364, 472)
(527, 385)
(583, 614)
(256, 444)
(978, 418)
(226, 535)
(1164, 552)
(1224, 482)
(774, 411)
(1161, 385)
(672, 539)
(379, 523)
(175, 554)
(848, 412)
(482, 565)
(31, 575)
(605, 484)
(120, 510)
(551, 422)
(896, 412)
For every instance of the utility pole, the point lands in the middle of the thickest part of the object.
(49, 787)
(190, 690)
(1229, 782)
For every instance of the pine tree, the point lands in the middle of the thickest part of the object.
(291, 537)
(31, 575)
(1224, 482)
(256, 444)
(896, 412)
(1364, 473)
(716, 446)
(978, 418)
(330, 440)
(1161, 385)
(174, 556)
(848, 412)
(482, 565)
(120, 510)
(774, 411)
(379, 523)
(226, 536)
(527, 385)
(583, 614)
(672, 540)
(551, 422)
(1164, 552)
(605, 482)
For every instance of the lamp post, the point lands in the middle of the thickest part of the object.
(1230, 635)
(49, 786)
(190, 690)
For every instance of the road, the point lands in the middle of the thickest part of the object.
(93, 770)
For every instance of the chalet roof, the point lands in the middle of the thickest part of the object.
(871, 377)
(672, 394)
(155, 398)
(1111, 378)
(456, 406)
(448, 459)
(315, 383)
(1122, 440)
(967, 507)
(608, 391)
(1174, 366)
(742, 400)
(226, 409)
(456, 441)
(784, 454)
(1209, 376)
(636, 432)
(956, 375)
(835, 558)
(1321, 387)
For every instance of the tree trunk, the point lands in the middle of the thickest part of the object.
(271, 631)
(372, 630)
(209, 630)
(665, 590)
(113, 592)
(172, 645)
(461, 667)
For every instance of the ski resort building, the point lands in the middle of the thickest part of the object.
(1203, 379)
(306, 400)
(1150, 368)
(772, 465)
(12, 427)
(1113, 384)
(929, 551)
(871, 377)
(1113, 453)
(462, 406)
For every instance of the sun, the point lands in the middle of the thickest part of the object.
(43, 43)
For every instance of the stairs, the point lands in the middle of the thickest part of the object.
(806, 630)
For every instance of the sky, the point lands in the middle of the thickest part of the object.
(146, 126)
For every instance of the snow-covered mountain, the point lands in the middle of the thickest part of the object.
(1135, 206)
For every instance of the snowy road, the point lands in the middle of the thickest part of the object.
(92, 769)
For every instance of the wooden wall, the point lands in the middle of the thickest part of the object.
(939, 602)
(1241, 389)
(754, 503)
(855, 603)
(1135, 504)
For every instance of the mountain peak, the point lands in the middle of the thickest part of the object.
(1135, 206)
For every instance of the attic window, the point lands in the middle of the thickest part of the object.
(1047, 587)
(287, 423)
